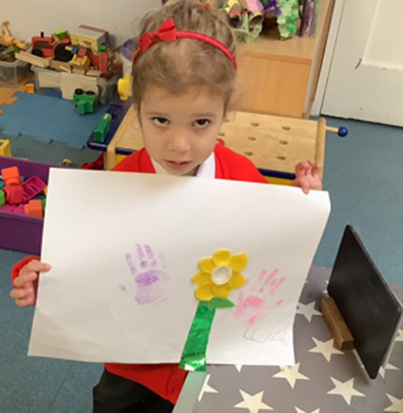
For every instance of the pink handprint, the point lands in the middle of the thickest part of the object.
(251, 307)
(151, 279)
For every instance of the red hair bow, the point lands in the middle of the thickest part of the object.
(205, 6)
(166, 32)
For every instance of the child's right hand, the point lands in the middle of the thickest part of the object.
(26, 284)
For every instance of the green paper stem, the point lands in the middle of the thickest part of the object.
(194, 354)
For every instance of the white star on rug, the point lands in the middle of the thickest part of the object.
(206, 388)
(382, 369)
(346, 390)
(238, 367)
(291, 374)
(252, 403)
(307, 310)
(399, 335)
(326, 348)
(397, 405)
(302, 411)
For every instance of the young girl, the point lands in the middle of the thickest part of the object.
(183, 83)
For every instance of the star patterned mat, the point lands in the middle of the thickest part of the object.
(324, 380)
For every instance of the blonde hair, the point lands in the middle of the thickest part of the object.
(184, 64)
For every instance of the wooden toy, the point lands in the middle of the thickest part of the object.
(89, 37)
(30, 88)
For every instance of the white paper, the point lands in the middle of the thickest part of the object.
(100, 227)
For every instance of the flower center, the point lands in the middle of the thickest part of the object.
(222, 275)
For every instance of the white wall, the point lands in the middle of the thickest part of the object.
(29, 17)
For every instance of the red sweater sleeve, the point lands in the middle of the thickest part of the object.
(233, 166)
(15, 272)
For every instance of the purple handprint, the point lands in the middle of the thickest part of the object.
(251, 306)
(151, 279)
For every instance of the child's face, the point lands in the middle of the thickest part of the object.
(180, 132)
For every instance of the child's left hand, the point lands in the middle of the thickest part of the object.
(307, 176)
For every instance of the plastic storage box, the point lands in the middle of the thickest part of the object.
(20, 232)
(47, 79)
(13, 73)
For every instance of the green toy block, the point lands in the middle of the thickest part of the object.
(102, 128)
(2, 198)
(102, 48)
(44, 204)
(61, 34)
(85, 102)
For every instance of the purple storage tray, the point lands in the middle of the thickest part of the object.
(22, 232)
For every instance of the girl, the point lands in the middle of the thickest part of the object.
(183, 83)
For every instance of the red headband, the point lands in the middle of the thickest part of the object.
(167, 33)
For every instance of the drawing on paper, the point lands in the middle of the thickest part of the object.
(151, 279)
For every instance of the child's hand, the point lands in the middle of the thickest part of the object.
(26, 284)
(307, 176)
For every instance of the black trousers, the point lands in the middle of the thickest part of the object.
(115, 394)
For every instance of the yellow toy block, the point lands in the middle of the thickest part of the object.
(83, 62)
(5, 148)
(30, 88)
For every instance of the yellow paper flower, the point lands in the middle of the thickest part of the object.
(219, 275)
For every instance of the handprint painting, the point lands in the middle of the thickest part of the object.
(149, 274)
(178, 272)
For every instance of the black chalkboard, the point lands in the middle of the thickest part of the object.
(368, 306)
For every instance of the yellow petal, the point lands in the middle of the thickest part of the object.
(201, 278)
(204, 292)
(237, 280)
(222, 257)
(238, 262)
(207, 265)
(222, 291)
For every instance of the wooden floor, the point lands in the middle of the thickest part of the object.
(7, 93)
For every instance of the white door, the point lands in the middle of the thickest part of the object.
(366, 74)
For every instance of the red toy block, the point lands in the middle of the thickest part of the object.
(34, 208)
(14, 194)
(32, 187)
(104, 63)
(11, 176)
(84, 52)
